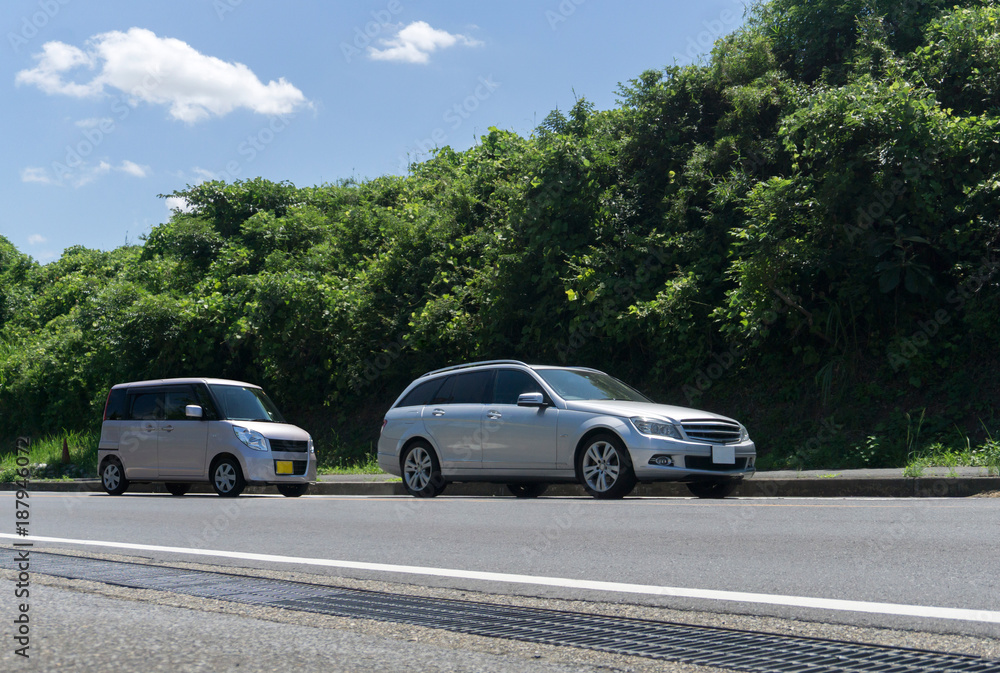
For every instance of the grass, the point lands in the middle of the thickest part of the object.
(937, 454)
(45, 457)
(367, 466)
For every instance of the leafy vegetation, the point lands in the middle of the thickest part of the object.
(801, 233)
(45, 458)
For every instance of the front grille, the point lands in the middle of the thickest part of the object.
(705, 463)
(293, 445)
(298, 468)
(712, 431)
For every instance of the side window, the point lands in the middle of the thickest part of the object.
(147, 406)
(443, 394)
(471, 388)
(116, 405)
(175, 399)
(421, 395)
(511, 383)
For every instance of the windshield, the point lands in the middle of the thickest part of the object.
(242, 403)
(573, 384)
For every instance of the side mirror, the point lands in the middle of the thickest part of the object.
(193, 411)
(531, 400)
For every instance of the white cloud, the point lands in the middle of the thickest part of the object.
(159, 71)
(179, 203)
(55, 59)
(88, 173)
(204, 175)
(416, 42)
(36, 239)
(94, 122)
(35, 175)
(82, 174)
(134, 169)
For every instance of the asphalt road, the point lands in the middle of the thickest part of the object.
(915, 552)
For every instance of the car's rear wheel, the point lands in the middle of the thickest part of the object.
(227, 478)
(527, 490)
(605, 468)
(177, 489)
(113, 477)
(292, 490)
(713, 489)
(422, 472)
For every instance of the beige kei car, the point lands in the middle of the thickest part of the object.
(200, 430)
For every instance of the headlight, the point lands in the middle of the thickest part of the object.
(251, 438)
(744, 435)
(648, 426)
(312, 449)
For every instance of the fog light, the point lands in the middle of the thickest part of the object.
(662, 461)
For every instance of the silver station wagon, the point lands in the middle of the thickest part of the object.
(183, 431)
(528, 426)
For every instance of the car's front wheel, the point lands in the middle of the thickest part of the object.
(113, 477)
(227, 478)
(422, 472)
(605, 468)
(713, 489)
(527, 490)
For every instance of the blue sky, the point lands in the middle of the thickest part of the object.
(105, 105)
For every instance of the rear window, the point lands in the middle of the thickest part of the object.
(115, 408)
(468, 388)
(421, 395)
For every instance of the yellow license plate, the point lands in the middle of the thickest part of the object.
(283, 467)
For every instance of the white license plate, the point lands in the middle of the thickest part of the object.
(725, 455)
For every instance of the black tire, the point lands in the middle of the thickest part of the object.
(113, 477)
(715, 490)
(292, 490)
(227, 478)
(176, 488)
(422, 471)
(604, 467)
(529, 490)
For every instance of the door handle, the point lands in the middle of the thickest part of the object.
(149, 427)
(168, 428)
(438, 412)
(494, 415)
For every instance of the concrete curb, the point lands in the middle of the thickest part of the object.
(759, 486)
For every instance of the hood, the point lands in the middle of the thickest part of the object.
(275, 430)
(625, 409)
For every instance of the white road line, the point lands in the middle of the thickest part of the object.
(960, 614)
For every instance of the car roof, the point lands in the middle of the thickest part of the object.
(188, 380)
(493, 363)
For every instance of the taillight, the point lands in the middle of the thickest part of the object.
(384, 421)
(106, 402)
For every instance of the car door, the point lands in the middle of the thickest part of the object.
(518, 438)
(139, 437)
(183, 441)
(454, 419)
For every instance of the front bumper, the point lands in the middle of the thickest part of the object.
(659, 459)
(260, 468)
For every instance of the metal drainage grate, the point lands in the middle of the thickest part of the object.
(701, 645)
